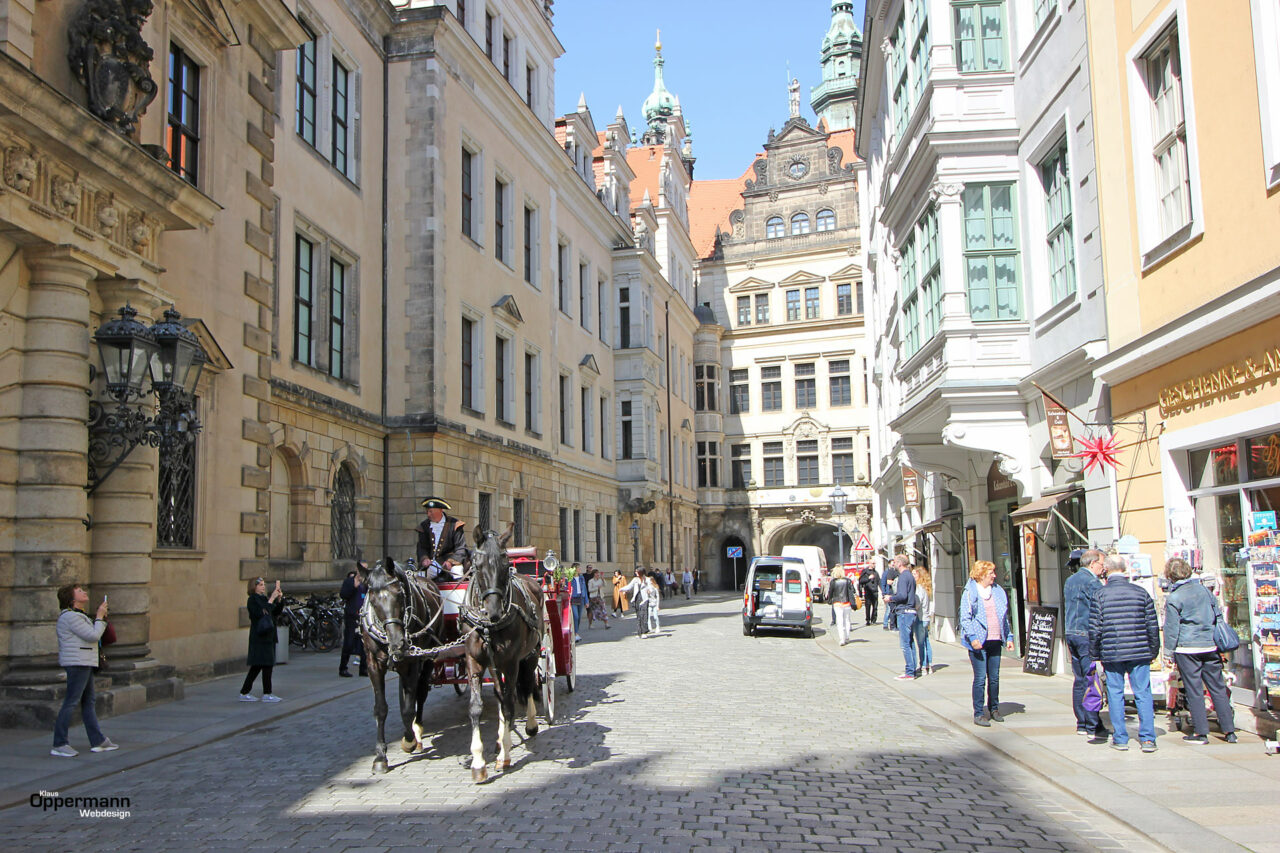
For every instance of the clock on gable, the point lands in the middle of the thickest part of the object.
(798, 169)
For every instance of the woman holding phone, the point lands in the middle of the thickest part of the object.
(78, 637)
(262, 650)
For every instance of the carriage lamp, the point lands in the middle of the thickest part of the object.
(550, 562)
(172, 356)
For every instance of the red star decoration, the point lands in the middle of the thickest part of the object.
(1099, 451)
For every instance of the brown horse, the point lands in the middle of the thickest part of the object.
(507, 614)
(397, 610)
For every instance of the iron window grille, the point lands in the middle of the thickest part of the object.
(342, 514)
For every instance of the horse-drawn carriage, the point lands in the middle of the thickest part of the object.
(510, 618)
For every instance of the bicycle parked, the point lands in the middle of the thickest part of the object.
(316, 624)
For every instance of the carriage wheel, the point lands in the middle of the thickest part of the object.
(547, 679)
(571, 670)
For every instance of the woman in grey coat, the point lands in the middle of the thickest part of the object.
(78, 637)
(262, 650)
(1189, 612)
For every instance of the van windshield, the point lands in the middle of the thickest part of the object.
(793, 581)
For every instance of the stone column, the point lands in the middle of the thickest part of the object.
(49, 533)
(123, 535)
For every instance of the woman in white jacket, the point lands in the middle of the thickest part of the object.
(924, 615)
(78, 637)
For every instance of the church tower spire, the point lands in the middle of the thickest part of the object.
(836, 98)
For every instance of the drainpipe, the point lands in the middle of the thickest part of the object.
(671, 459)
(386, 273)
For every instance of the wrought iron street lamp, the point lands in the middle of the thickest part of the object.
(130, 351)
(635, 546)
(839, 502)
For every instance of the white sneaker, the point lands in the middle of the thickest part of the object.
(64, 751)
(248, 697)
(105, 746)
(271, 697)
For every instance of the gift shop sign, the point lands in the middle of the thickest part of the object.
(1225, 381)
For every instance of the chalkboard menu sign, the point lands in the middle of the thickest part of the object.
(1041, 627)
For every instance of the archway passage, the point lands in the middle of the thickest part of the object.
(821, 534)
(733, 570)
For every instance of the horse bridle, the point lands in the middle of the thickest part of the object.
(379, 632)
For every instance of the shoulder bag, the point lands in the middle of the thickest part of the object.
(1225, 638)
(265, 626)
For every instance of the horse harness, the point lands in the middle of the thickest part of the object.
(417, 600)
(473, 614)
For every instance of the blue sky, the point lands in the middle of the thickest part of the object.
(725, 59)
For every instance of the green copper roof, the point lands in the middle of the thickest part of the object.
(660, 102)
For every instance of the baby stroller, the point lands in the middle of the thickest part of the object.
(1176, 699)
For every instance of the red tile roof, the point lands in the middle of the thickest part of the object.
(710, 203)
(646, 162)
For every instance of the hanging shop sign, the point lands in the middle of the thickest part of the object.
(1225, 381)
(910, 488)
(1060, 444)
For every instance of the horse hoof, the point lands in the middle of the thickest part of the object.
(531, 730)
(479, 775)
(506, 765)
(379, 765)
(407, 745)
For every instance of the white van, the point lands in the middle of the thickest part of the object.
(777, 596)
(815, 565)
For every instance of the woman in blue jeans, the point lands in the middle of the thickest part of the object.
(78, 637)
(984, 626)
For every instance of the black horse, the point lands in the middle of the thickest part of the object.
(398, 610)
(507, 614)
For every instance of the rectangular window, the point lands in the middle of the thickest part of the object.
(608, 538)
(979, 35)
(708, 465)
(506, 57)
(577, 534)
(462, 13)
(305, 93)
(771, 389)
(706, 388)
(565, 437)
(599, 536)
(627, 434)
(564, 533)
(584, 295)
(793, 305)
(604, 427)
(806, 386)
(624, 318)
(774, 476)
(1168, 134)
(807, 463)
(844, 300)
(519, 523)
(740, 456)
(488, 36)
(896, 62)
(930, 276)
(841, 392)
(858, 295)
(530, 392)
(762, 309)
(338, 140)
(176, 495)
(910, 299)
(530, 243)
(468, 362)
(500, 368)
(811, 303)
(602, 310)
(744, 310)
(184, 114)
(739, 392)
(1043, 9)
(500, 192)
(337, 317)
(303, 299)
(1056, 179)
(468, 198)
(562, 277)
(529, 77)
(584, 403)
(484, 511)
(991, 252)
(842, 460)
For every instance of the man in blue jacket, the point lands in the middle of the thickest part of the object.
(887, 582)
(1077, 594)
(1125, 636)
(903, 603)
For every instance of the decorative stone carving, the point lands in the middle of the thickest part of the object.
(807, 517)
(823, 188)
(762, 172)
(20, 169)
(65, 195)
(886, 46)
(1008, 465)
(140, 232)
(862, 518)
(944, 189)
(952, 433)
(109, 56)
(773, 195)
(108, 215)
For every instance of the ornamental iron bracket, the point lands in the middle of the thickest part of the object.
(114, 433)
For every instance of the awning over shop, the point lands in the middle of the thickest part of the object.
(1041, 508)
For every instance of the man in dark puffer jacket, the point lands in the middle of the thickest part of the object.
(1125, 636)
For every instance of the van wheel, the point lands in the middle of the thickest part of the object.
(808, 632)
(748, 630)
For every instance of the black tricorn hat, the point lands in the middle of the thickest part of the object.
(436, 503)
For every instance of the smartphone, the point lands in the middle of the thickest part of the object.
(104, 599)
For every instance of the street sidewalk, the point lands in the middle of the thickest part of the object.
(1202, 798)
(210, 711)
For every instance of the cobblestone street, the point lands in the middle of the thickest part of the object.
(693, 738)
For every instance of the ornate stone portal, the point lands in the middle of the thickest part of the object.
(109, 56)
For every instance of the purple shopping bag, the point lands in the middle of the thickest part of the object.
(1095, 690)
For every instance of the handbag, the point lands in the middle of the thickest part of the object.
(1225, 638)
(265, 627)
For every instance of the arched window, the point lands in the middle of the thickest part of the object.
(826, 220)
(281, 524)
(800, 224)
(342, 514)
(773, 227)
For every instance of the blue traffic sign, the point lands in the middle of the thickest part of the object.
(733, 551)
